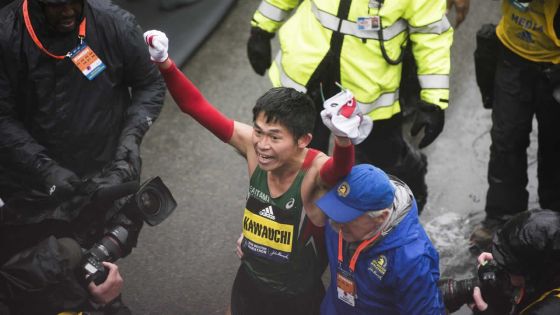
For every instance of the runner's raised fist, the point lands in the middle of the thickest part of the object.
(158, 44)
(343, 117)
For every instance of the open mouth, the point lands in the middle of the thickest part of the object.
(67, 23)
(263, 158)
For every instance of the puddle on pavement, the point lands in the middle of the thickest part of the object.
(450, 233)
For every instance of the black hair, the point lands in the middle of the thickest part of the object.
(288, 107)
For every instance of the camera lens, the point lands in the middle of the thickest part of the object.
(150, 201)
(457, 292)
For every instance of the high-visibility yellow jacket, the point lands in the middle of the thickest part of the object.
(528, 29)
(305, 39)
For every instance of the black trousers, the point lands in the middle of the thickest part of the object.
(521, 92)
(247, 298)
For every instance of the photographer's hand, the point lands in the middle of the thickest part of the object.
(110, 289)
(484, 258)
(238, 249)
(480, 306)
(479, 303)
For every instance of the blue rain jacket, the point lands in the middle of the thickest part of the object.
(397, 275)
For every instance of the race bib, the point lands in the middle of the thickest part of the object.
(266, 232)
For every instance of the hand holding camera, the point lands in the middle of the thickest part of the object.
(479, 302)
(110, 289)
(343, 117)
(152, 201)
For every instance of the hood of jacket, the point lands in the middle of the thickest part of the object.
(529, 245)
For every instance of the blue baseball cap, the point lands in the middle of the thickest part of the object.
(366, 188)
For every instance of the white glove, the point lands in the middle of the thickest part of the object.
(158, 44)
(343, 117)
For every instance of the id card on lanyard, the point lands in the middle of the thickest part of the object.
(369, 23)
(346, 286)
(87, 61)
(345, 282)
(82, 56)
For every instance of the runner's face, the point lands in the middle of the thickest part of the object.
(63, 17)
(273, 143)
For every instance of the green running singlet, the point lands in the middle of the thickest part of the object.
(283, 251)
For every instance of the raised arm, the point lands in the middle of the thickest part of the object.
(349, 126)
(191, 101)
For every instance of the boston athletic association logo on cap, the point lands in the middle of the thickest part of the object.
(344, 189)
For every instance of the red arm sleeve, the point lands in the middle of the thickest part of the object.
(339, 165)
(191, 101)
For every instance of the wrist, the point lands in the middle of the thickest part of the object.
(166, 66)
(342, 141)
(259, 32)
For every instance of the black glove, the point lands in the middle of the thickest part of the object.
(258, 50)
(432, 118)
(116, 173)
(129, 151)
(59, 182)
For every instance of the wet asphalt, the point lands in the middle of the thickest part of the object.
(187, 264)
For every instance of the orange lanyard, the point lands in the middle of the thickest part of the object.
(361, 247)
(81, 33)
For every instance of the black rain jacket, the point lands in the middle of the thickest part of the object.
(529, 245)
(48, 106)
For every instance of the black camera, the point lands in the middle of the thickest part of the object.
(493, 281)
(108, 249)
(152, 201)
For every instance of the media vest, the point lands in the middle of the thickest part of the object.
(527, 29)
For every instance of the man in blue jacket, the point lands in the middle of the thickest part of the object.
(381, 260)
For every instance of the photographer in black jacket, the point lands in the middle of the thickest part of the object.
(77, 95)
(43, 280)
(528, 249)
(78, 92)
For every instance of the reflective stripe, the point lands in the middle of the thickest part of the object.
(272, 12)
(438, 27)
(285, 80)
(351, 28)
(385, 99)
(434, 81)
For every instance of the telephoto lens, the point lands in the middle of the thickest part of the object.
(457, 292)
(108, 249)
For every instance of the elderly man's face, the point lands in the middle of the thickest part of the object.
(360, 228)
(63, 17)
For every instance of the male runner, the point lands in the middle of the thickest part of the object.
(283, 248)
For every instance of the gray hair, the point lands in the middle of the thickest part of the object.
(377, 213)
